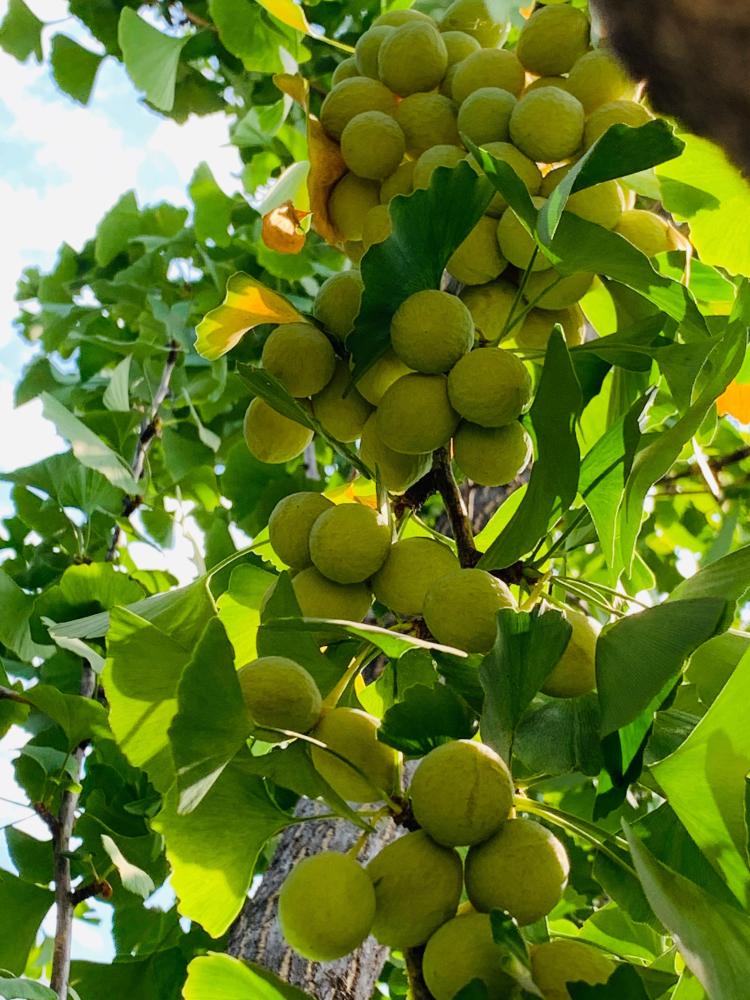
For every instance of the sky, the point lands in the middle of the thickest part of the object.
(62, 166)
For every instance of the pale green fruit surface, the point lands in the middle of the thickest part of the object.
(340, 408)
(350, 201)
(492, 456)
(427, 120)
(337, 303)
(459, 45)
(326, 906)
(372, 145)
(398, 17)
(395, 471)
(414, 58)
(556, 963)
(647, 231)
(602, 204)
(547, 81)
(380, 376)
(598, 78)
(473, 17)
(350, 98)
(280, 693)
(272, 437)
(353, 735)
(485, 115)
(489, 387)
(553, 39)
(290, 524)
(319, 597)
(345, 70)
(478, 259)
(368, 46)
(415, 415)
(523, 869)
(431, 159)
(613, 113)
(547, 124)
(462, 950)
(550, 290)
(417, 888)
(431, 330)
(526, 169)
(349, 542)
(536, 329)
(300, 357)
(460, 609)
(515, 243)
(401, 181)
(461, 793)
(412, 565)
(490, 306)
(488, 68)
(377, 227)
(575, 672)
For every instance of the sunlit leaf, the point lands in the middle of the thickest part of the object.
(151, 58)
(326, 168)
(281, 229)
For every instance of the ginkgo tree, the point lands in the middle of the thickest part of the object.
(568, 611)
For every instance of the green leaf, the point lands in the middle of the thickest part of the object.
(213, 208)
(155, 977)
(216, 975)
(79, 718)
(428, 226)
(212, 722)
(427, 717)
(74, 67)
(728, 577)
(121, 223)
(32, 858)
(70, 484)
(704, 781)
(16, 607)
(133, 878)
(526, 649)
(715, 947)
(713, 663)
(21, 32)
(554, 474)
(560, 736)
(22, 909)
(211, 874)
(254, 37)
(416, 666)
(239, 609)
(116, 396)
(151, 58)
(25, 989)
(623, 984)
(98, 583)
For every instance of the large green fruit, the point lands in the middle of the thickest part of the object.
(556, 963)
(647, 231)
(460, 609)
(485, 115)
(489, 387)
(340, 408)
(349, 542)
(598, 78)
(603, 203)
(368, 46)
(474, 18)
(378, 226)
(536, 329)
(279, 693)
(552, 290)
(319, 597)
(492, 456)
(463, 950)
(461, 793)
(395, 471)
(401, 181)
(427, 120)
(523, 869)
(396, 18)
(488, 68)
(431, 159)
(300, 357)
(372, 145)
(272, 437)
(431, 330)
(547, 124)
(350, 98)
(350, 201)
(459, 45)
(526, 169)
(517, 245)
(478, 259)
(345, 70)
(417, 888)
(353, 736)
(490, 306)
(380, 376)
(290, 524)
(575, 671)
(412, 565)
(337, 303)
(415, 415)
(413, 59)
(553, 39)
(613, 113)
(326, 906)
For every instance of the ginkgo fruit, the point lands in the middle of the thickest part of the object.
(290, 523)
(415, 415)
(536, 329)
(353, 736)
(492, 456)
(477, 259)
(547, 124)
(485, 115)
(526, 169)
(396, 471)
(413, 59)
(464, 950)
(597, 78)
(280, 694)
(271, 437)
(337, 303)
(427, 120)
(372, 145)
(431, 330)
(490, 307)
(345, 70)
(489, 387)
(461, 793)
(350, 201)
(401, 181)
(575, 671)
(368, 47)
(553, 39)
(401, 16)
(431, 159)
(517, 245)
(460, 609)
(410, 568)
(473, 17)
(603, 203)
(459, 45)
(552, 290)
(380, 376)
(621, 112)
(319, 597)
(349, 542)
(340, 408)
(378, 226)
(350, 98)
(300, 357)
(488, 68)
(647, 231)
(556, 963)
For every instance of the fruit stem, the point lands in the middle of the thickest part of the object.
(509, 320)
(358, 846)
(334, 695)
(455, 508)
(417, 986)
(536, 593)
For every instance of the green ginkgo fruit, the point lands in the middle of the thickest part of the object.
(464, 950)
(290, 524)
(404, 578)
(349, 542)
(281, 694)
(351, 737)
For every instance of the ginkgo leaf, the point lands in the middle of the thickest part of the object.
(247, 304)
(326, 168)
(133, 878)
(735, 401)
(294, 85)
(288, 12)
(281, 229)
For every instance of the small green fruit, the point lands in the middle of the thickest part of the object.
(575, 671)
(345, 70)
(489, 387)
(368, 46)
(478, 259)
(647, 231)
(556, 963)
(290, 524)
(413, 59)
(459, 45)
(412, 564)
(350, 98)
(415, 415)
(350, 201)
(279, 693)
(523, 869)
(613, 113)
(326, 906)
(602, 204)
(537, 327)
(417, 888)
(427, 120)
(547, 124)
(300, 357)
(349, 542)
(547, 81)
(488, 68)
(272, 437)
(599, 78)
(431, 330)
(378, 226)
(337, 303)
(474, 18)
(401, 181)
(353, 735)
(395, 471)
(461, 793)
(431, 159)
(461, 608)
(319, 597)
(526, 169)
(398, 17)
(492, 456)
(485, 115)
(553, 39)
(463, 950)
(340, 408)
(372, 145)
(490, 307)
(515, 243)
(380, 376)
(551, 290)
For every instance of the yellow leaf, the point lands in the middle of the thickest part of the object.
(281, 229)
(736, 401)
(357, 491)
(247, 304)
(287, 12)
(326, 168)
(294, 85)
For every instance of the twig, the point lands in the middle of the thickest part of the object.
(455, 508)
(197, 20)
(100, 887)
(715, 464)
(417, 986)
(149, 430)
(8, 694)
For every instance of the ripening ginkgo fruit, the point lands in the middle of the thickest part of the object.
(489, 387)
(461, 951)
(349, 542)
(517, 245)
(350, 98)
(485, 115)
(397, 472)
(380, 376)
(431, 330)
(411, 566)
(647, 231)
(290, 523)
(415, 415)
(478, 259)
(575, 671)
(598, 78)
(460, 609)
(353, 736)
(350, 201)
(345, 70)
(547, 124)
(367, 48)
(551, 290)
(427, 120)
(488, 68)
(459, 45)
(553, 39)
(473, 17)
(396, 18)
(319, 597)
(300, 357)
(613, 113)
(337, 303)
(492, 456)
(536, 329)
(526, 169)
(401, 181)
(281, 694)
(556, 963)
(431, 159)
(413, 59)
(490, 306)
(372, 145)
(377, 227)
(340, 408)
(271, 437)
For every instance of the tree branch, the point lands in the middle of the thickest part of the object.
(455, 508)
(715, 464)
(8, 694)
(417, 986)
